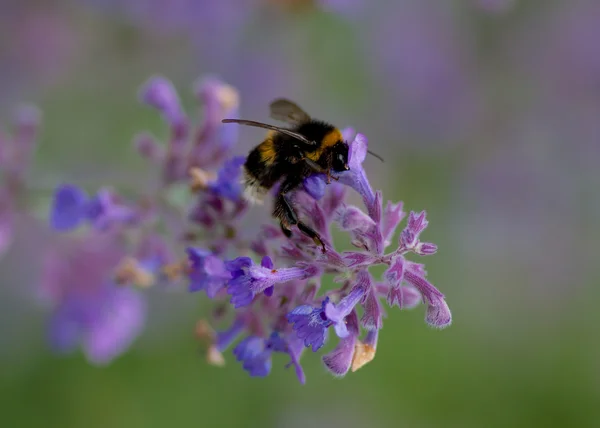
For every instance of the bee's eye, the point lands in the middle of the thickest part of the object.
(341, 162)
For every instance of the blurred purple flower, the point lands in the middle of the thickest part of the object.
(206, 146)
(228, 183)
(88, 308)
(71, 207)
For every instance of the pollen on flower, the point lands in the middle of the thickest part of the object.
(228, 97)
(203, 331)
(174, 271)
(206, 335)
(214, 357)
(130, 271)
(363, 354)
(199, 179)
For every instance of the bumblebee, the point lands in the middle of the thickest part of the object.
(289, 155)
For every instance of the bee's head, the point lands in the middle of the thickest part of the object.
(340, 157)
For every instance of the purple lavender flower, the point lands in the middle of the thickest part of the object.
(203, 148)
(277, 304)
(71, 207)
(310, 324)
(248, 279)
(255, 354)
(339, 361)
(89, 309)
(207, 272)
(228, 183)
(315, 186)
(337, 313)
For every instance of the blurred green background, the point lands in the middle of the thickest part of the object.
(487, 113)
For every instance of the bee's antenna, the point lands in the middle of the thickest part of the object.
(375, 155)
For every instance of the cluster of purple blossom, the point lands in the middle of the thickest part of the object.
(273, 283)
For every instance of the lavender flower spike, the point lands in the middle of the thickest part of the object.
(278, 307)
(248, 279)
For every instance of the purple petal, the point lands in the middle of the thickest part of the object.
(149, 148)
(372, 316)
(315, 186)
(394, 275)
(266, 262)
(438, 314)
(334, 197)
(235, 266)
(295, 349)
(228, 184)
(159, 93)
(357, 152)
(255, 360)
(427, 290)
(310, 324)
(248, 348)
(392, 216)
(220, 101)
(403, 297)
(337, 313)
(354, 259)
(339, 360)
(207, 272)
(225, 338)
(352, 218)
(426, 249)
(122, 320)
(68, 207)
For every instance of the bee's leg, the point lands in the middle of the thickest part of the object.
(285, 229)
(285, 211)
(317, 168)
(311, 233)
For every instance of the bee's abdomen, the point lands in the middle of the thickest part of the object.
(260, 172)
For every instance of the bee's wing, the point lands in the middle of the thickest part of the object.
(271, 127)
(288, 111)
